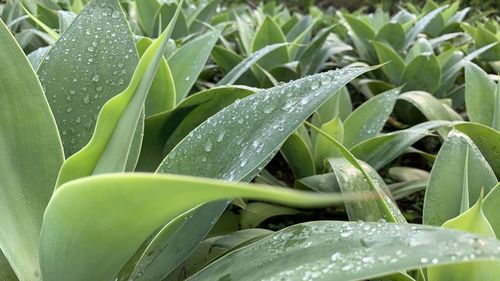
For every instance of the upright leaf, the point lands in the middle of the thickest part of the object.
(479, 95)
(91, 62)
(31, 154)
(188, 62)
(369, 119)
(270, 33)
(444, 193)
(114, 142)
(413, 78)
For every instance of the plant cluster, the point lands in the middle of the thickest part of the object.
(131, 131)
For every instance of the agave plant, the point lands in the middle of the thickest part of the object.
(122, 155)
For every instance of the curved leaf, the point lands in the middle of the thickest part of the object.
(396, 65)
(84, 222)
(270, 33)
(479, 95)
(31, 154)
(92, 61)
(188, 62)
(349, 251)
(413, 78)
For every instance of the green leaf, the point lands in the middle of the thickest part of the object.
(85, 222)
(31, 154)
(473, 220)
(323, 149)
(396, 65)
(348, 251)
(203, 15)
(298, 155)
(490, 208)
(93, 61)
(375, 204)
(486, 139)
(430, 107)
(381, 150)
(479, 95)
(215, 247)
(147, 10)
(257, 212)
(246, 64)
(361, 33)
(413, 78)
(189, 60)
(112, 144)
(446, 183)
(164, 131)
(393, 34)
(249, 138)
(161, 96)
(369, 119)
(420, 25)
(270, 33)
(421, 47)
(483, 38)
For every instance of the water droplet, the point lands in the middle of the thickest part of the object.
(98, 89)
(336, 256)
(187, 78)
(208, 146)
(424, 260)
(314, 85)
(115, 14)
(86, 99)
(221, 135)
(95, 78)
(244, 161)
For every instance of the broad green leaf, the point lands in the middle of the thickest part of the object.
(369, 119)
(320, 182)
(164, 131)
(188, 62)
(323, 149)
(490, 208)
(249, 138)
(147, 10)
(79, 229)
(298, 155)
(31, 154)
(374, 206)
(444, 192)
(473, 220)
(161, 96)
(413, 78)
(421, 47)
(420, 25)
(485, 37)
(361, 33)
(381, 150)
(348, 251)
(486, 139)
(430, 107)
(270, 33)
(92, 61)
(479, 95)
(393, 34)
(246, 64)
(314, 55)
(113, 142)
(396, 65)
